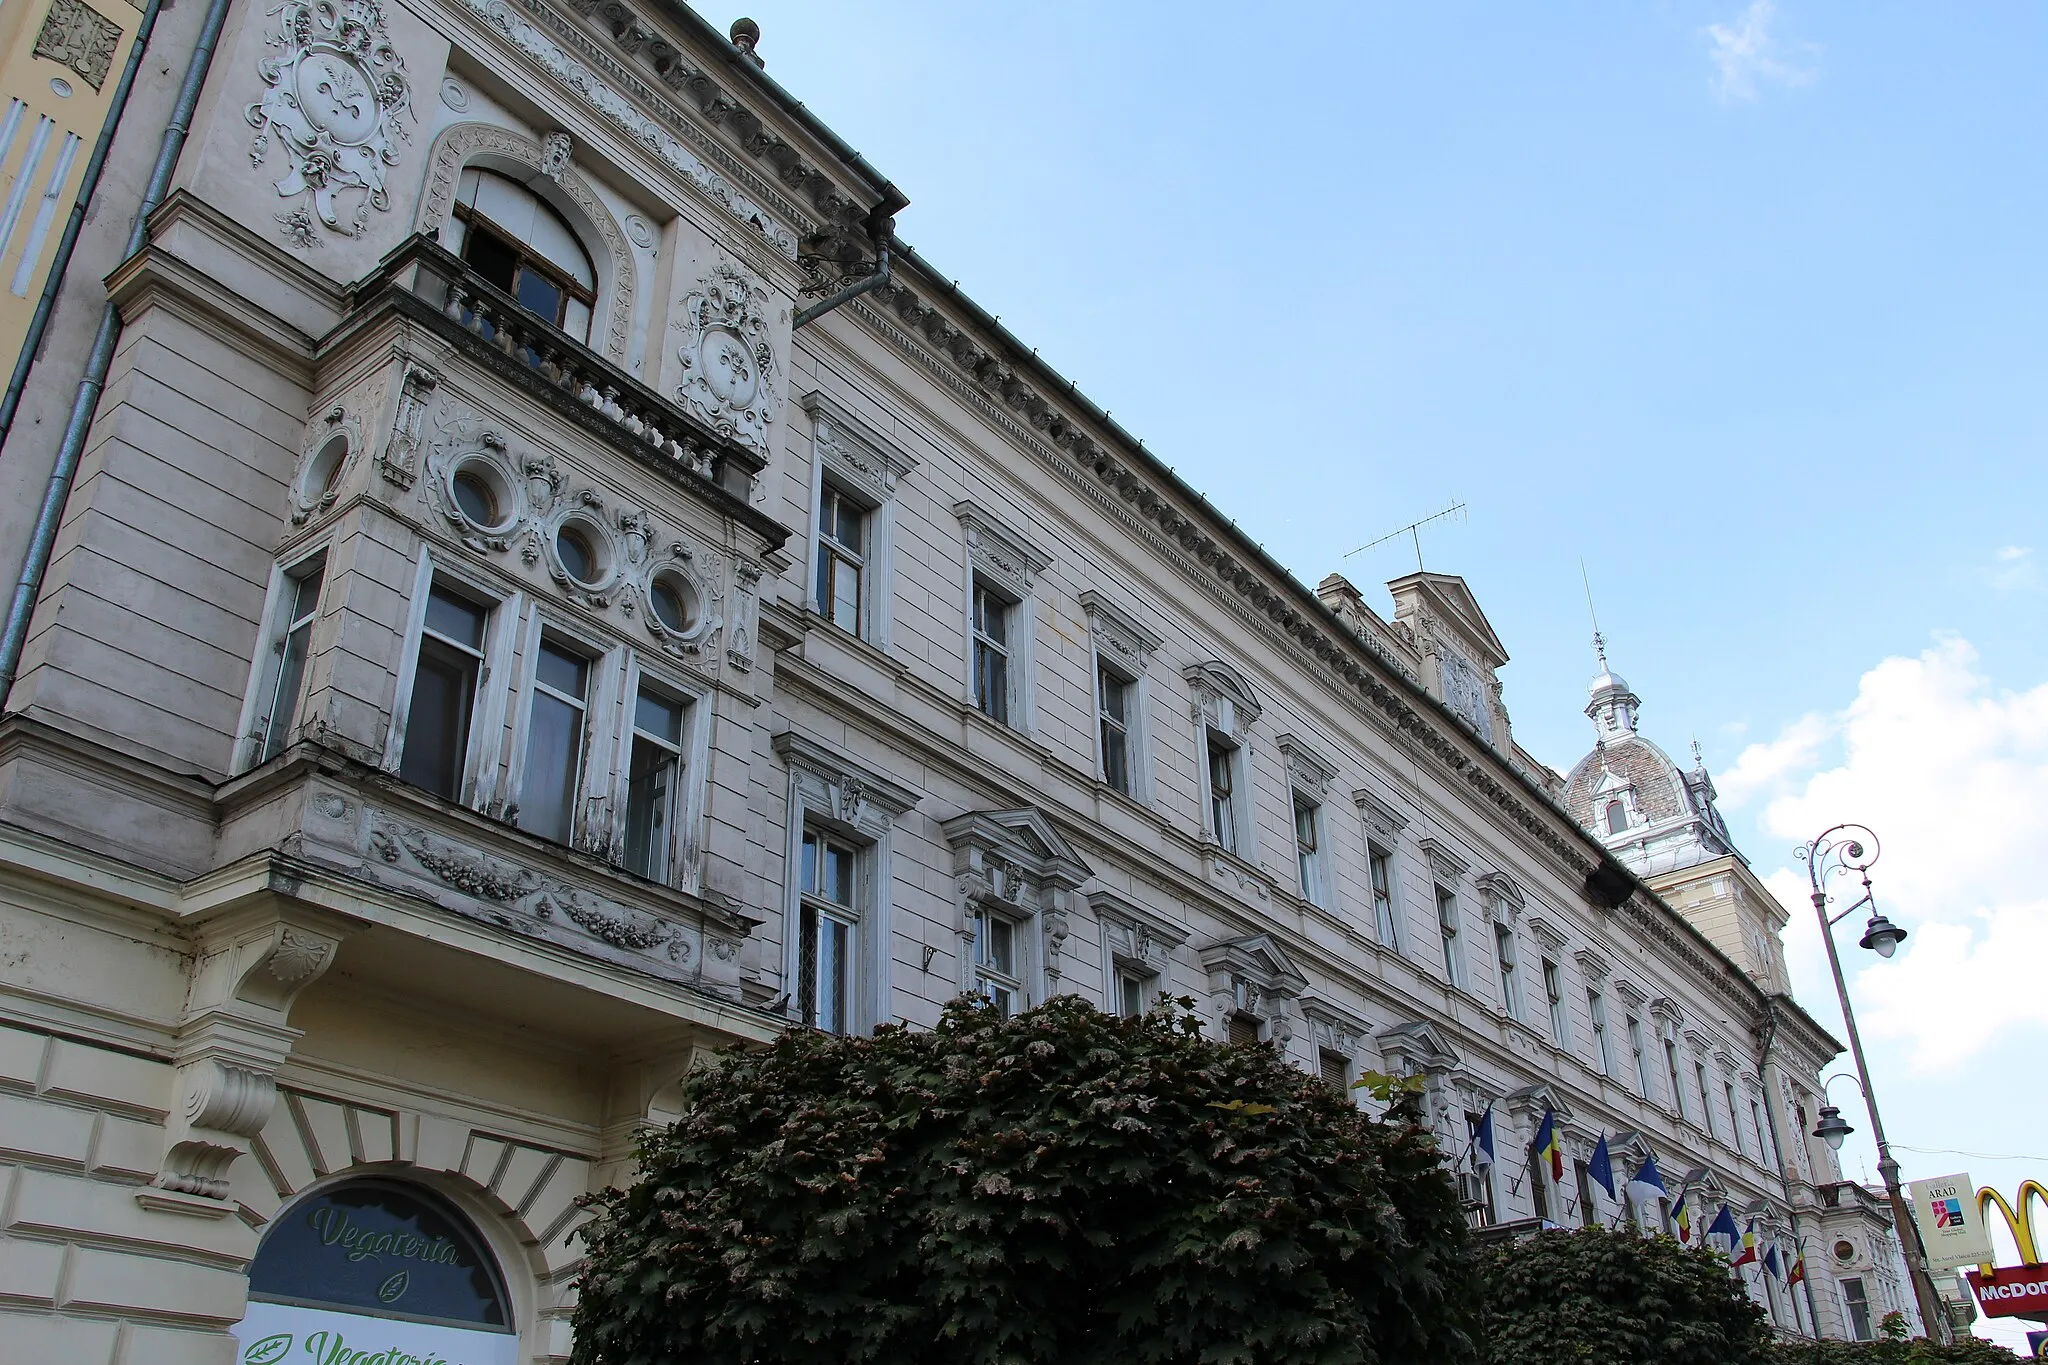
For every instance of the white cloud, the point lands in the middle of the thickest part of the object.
(1953, 775)
(1747, 54)
(1767, 766)
(2014, 569)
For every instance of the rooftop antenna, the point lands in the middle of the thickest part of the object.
(1599, 644)
(1413, 530)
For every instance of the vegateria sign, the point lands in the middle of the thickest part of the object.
(280, 1334)
(2012, 1291)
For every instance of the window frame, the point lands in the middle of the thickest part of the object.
(1636, 1043)
(1553, 994)
(265, 671)
(525, 256)
(1856, 1309)
(981, 644)
(1227, 806)
(1596, 1012)
(1126, 977)
(1120, 648)
(1311, 859)
(1451, 933)
(865, 470)
(1507, 962)
(1124, 726)
(814, 904)
(830, 551)
(686, 829)
(1379, 875)
(599, 662)
(984, 974)
(478, 783)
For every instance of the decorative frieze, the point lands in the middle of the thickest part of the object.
(80, 37)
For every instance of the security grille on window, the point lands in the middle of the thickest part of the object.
(1510, 987)
(1308, 857)
(1447, 927)
(996, 974)
(842, 559)
(451, 659)
(1553, 991)
(303, 585)
(825, 950)
(991, 628)
(1113, 721)
(1223, 792)
(1596, 1008)
(1380, 867)
(554, 742)
(653, 784)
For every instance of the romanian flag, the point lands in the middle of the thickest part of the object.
(1748, 1245)
(1798, 1272)
(1681, 1217)
(1547, 1147)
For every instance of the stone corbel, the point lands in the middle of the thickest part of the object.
(235, 1034)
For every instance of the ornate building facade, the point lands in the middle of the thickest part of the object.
(546, 585)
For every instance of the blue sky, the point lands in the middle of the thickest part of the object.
(1740, 303)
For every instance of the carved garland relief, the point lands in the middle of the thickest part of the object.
(334, 102)
(456, 147)
(730, 375)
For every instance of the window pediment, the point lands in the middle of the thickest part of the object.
(1417, 1045)
(1531, 1101)
(999, 552)
(1446, 863)
(1503, 896)
(1137, 936)
(842, 789)
(1333, 1027)
(1119, 635)
(1223, 700)
(853, 451)
(1309, 771)
(1592, 964)
(1547, 934)
(1382, 820)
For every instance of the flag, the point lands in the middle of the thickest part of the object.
(1748, 1245)
(1724, 1226)
(1771, 1261)
(1649, 1182)
(1798, 1271)
(1601, 1167)
(1482, 1141)
(1547, 1147)
(1681, 1218)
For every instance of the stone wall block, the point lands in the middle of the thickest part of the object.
(551, 1208)
(480, 1162)
(43, 1336)
(35, 1130)
(146, 1345)
(79, 1071)
(520, 1177)
(326, 1130)
(283, 1152)
(30, 1270)
(439, 1144)
(21, 1057)
(126, 1283)
(126, 1148)
(48, 1204)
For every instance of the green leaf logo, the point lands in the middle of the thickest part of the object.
(391, 1289)
(269, 1350)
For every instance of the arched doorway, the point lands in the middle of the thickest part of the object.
(376, 1269)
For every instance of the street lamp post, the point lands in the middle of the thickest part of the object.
(1852, 849)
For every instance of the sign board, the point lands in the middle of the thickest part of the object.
(282, 1334)
(1951, 1228)
(2012, 1291)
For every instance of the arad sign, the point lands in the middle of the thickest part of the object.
(282, 1334)
(2014, 1291)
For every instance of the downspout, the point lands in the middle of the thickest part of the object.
(1763, 1068)
(14, 634)
(880, 226)
(68, 241)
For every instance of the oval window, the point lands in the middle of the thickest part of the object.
(673, 604)
(382, 1248)
(579, 561)
(475, 496)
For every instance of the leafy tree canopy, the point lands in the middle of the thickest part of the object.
(1063, 1187)
(1965, 1350)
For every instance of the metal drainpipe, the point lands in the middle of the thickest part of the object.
(1763, 1067)
(881, 230)
(14, 635)
(68, 241)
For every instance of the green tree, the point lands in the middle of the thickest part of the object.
(1616, 1298)
(1064, 1187)
(1966, 1350)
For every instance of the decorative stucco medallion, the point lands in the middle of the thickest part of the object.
(334, 103)
(729, 370)
(79, 36)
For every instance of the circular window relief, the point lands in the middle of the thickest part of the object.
(583, 552)
(320, 481)
(673, 600)
(481, 495)
(1845, 1251)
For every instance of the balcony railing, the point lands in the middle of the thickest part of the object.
(496, 327)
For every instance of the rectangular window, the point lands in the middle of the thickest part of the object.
(1539, 1183)
(1243, 1030)
(842, 559)
(1504, 954)
(1479, 1183)
(1589, 1212)
(1553, 991)
(825, 943)
(302, 585)
(996, 974)
(1380, 866)
(1671, 1075)
(1134, 991)
(1857, 1303)
(1223, 792)
(444, 686)
(1113, 719)
(1735, 1120)
(1308, 855)
(1596, 1007)
(991, 629)
(1336, 1069)
(1699, 1076)
(1447, 927)
(1635, 1046)
(653, 784)
(1763, 1149)
(554, 743)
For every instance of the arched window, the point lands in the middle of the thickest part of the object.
(519, 243)
(385, 1249)
(1617, 817)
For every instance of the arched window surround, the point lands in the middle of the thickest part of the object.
(519, 158)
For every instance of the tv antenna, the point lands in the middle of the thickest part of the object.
(1413, 530)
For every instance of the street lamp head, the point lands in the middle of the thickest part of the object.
(1883, 936)
(1832, 1128)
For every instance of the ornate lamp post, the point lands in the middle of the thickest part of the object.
(1852, 849)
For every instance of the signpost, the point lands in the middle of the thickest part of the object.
(1951, 1225)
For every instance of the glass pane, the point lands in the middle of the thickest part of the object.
(1002, 936)
(991, 616)
(834, 960)
(576, 320)
(306, 592)
(1116, 768)
(1113, 690)
(474, 497)
(554, 743)
(284, 701)
(1305, 826)
(650, 809)
(1131, 995)
(378, 1247)
(660, 717)
(437, 724)
(460, 621)
(838, 872)
(846, 596)
(539, 293)
(807, 875)
(561, 670)
(1000, 996)
(991, 682)
(491, 256)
